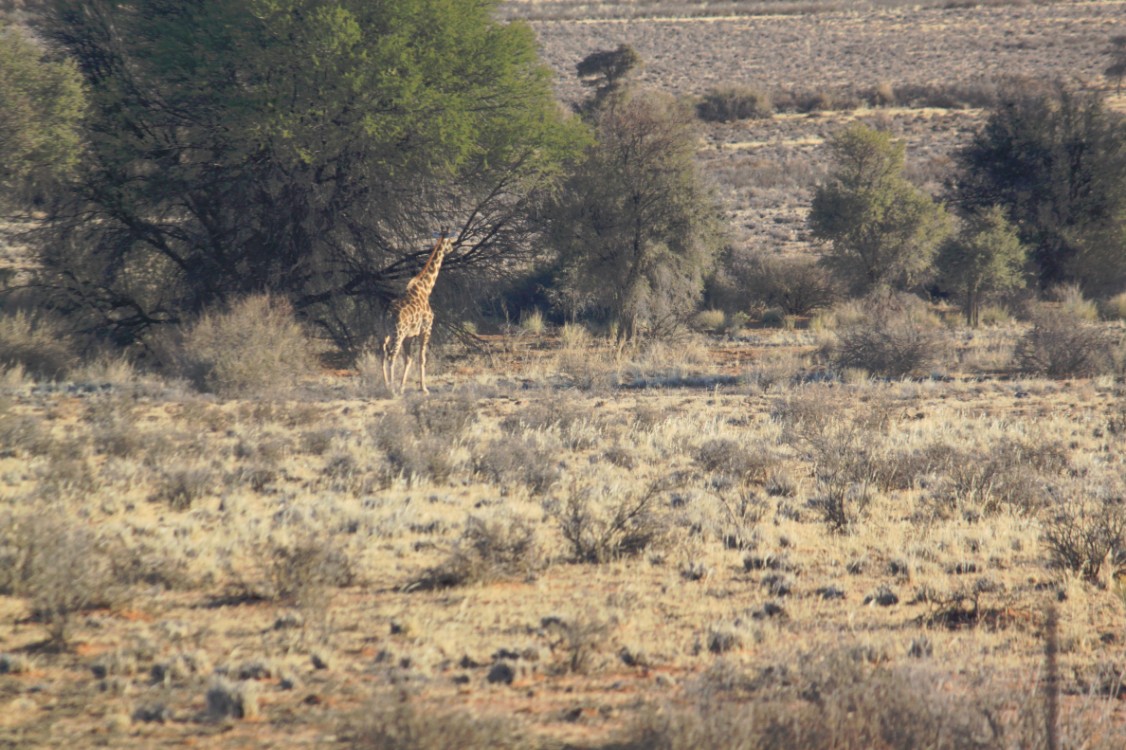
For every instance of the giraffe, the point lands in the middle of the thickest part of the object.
(414, 319)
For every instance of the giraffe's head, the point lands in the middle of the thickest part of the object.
(443, 247)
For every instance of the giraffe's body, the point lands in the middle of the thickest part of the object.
(414, 319)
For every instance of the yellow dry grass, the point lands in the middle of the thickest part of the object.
(590, 644)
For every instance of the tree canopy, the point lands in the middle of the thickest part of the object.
(41, 107)
(306, 147)
(883, 229)
(985, 256)
(635, 225)
(1056, 161)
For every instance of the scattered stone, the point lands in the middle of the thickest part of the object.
(723, 640)
(501, 672)
(883, 596)
(158, 714)
(778, 584)
(830, 592)
(226, 699)
(767, 611)
(634, 658)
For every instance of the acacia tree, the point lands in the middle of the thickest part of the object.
(883, 229)
(985, 256)
(607, 72)
(1056, 161)
(307, 147)
(41, 106)
(634, 224)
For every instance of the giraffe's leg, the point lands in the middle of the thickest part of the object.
(424, 339)
(407, 365)
(391, 361)
(387, 360)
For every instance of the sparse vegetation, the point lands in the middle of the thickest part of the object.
(734, 103)
(874, 527)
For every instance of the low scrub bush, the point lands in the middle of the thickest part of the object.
(1114, 308)
(734, 461)
(1066, 346)
(605, 523)
(1070, 304)
(488, 550)
(897, 338)
(795, 285)
(39, 344)
(1084, 537)
(735, 103)
(60, 566)
(238, 700)
(519, 459)
(840, 701)
(394, 724)
(254, 348)
(303, 570)
(708, 321)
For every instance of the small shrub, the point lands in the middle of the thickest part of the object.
(735, 103)
(774, 317)
(181, 487)
(1114, 308)
(1071, 303)
(60, 566)
(601, 525)
(448, 418)
(519, 459)
(256, 347)
(395, 724)
(532, 322)
(411, 449)
(1083, 538)
(39, 344)
(576, 641)
(226, 699)
(304, 570)
(487, 551)
(732, 460)
(994, 315)
(794, 285)
(893, 342)
(708, 321)
(1065, 346)
(836, 700)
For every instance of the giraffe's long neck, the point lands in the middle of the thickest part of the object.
(424, 282)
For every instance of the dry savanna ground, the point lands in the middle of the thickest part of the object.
(709, 542)
(576, 542)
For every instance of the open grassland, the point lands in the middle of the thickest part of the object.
(565, 547)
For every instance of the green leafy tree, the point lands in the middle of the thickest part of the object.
(985, 256)
(1056, 161)
(41, 108)
(634, 224)
(304, 147)
(883, 230)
